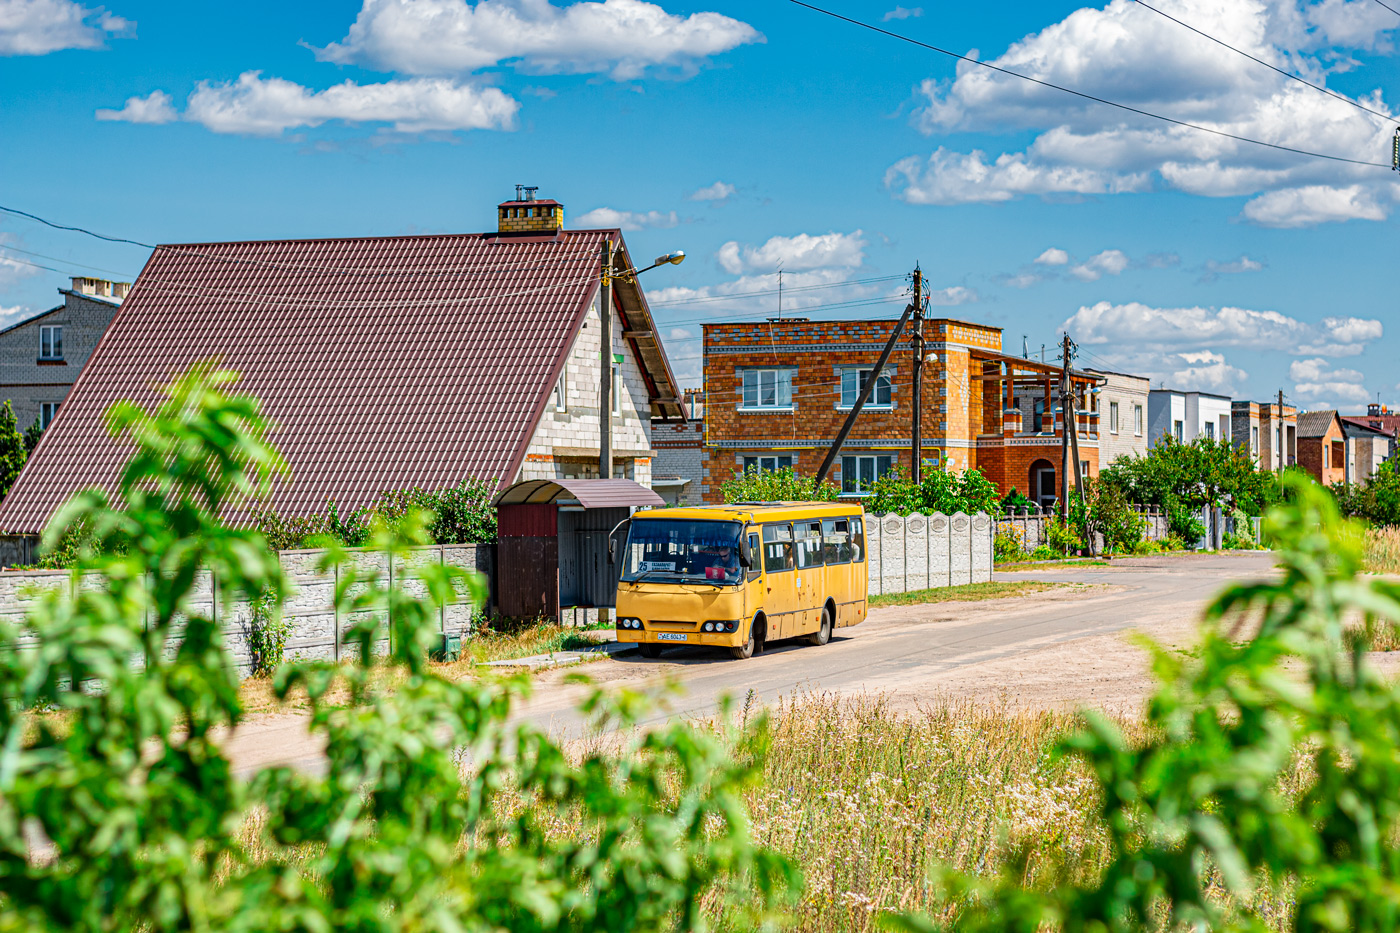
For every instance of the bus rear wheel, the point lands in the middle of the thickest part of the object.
(746, 651)
(649, 651)
(822, 635)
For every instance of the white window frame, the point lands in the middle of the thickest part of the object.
(754, 386)
(561, 391)
(51, 342)
(616, 389)
(768, 463)
(1113, 417)
(852, 471)
(1209, 430)
(1254, 439)
(47, 412)
(1137, 421)
(1179, 431)
(854, 377)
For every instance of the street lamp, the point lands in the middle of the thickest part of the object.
(605, 403)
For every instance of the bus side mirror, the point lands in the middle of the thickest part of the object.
(745, 554)
(622, 526)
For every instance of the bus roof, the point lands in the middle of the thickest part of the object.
(757, 511)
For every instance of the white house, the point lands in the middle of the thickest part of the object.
(1186, 416)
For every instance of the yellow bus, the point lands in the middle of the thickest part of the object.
(737, 576)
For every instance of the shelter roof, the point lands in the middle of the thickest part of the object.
(589, 493)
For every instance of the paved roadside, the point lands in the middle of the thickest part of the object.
(1058, 649)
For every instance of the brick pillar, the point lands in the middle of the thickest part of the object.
(1010, 422)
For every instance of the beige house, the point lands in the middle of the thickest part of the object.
(1122, 407)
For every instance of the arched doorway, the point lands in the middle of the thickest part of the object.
(1043, 486)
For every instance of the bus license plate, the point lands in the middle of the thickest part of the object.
(669, 636)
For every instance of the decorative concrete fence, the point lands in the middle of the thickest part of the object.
(1029, 525)
(317, 627)
(920, 552)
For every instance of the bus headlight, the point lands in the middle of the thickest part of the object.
(708, 626)
(629, 623)
(723, 625)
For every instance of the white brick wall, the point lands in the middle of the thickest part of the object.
(577, 426)
(1128, 392)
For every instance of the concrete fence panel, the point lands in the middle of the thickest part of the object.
(981, 547)
(892, 546)
(916, 538)
(874, 555)
(940, 569)
(960, 548)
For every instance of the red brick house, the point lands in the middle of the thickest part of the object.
(383, 362)
(777, 392)
(1322, 446)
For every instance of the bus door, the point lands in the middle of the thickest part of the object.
(780, 603)
(811, 584)
(836, 549)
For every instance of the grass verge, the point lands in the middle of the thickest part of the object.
(1020, 566)
(970, 592)
(1383, 550)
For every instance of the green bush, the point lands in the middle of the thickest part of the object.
(124, 813)
(783, 485)
(1377, 500)
(461, 514)
(1265, 772)
(1014, 502)
(1063, 536)
(1203, 472)
(1185, 525)
(1113, 516)
(13, 453)
(1008, 546)
(968, 492)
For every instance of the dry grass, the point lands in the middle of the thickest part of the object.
(969, 592)
(1383, 550)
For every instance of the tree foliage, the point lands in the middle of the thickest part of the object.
(1190, 476)
(784, 485)
(1377, 500)
(122, 812)
(461, 514)
(968, 492)
(1269, 763)
(12, 450)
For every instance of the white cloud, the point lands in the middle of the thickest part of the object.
(804, 251)
(1214, 269)
(608, 218)
(257, 106)
(1129, 54)
(900, 12)
(1109, 262)
(718, 193)
(11, 268)
(1316, 384)
(1189, 371)
(13, 314)
(954, 178)
(1314, 204)
(952, 296)
(619, 38)
(37, 27)
(1054, 256)
(1191, 329)
(153, 108)
(1021, 280)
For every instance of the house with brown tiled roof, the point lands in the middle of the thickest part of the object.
(383, 362)
(1322, 446)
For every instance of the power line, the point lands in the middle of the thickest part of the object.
(1287, 74)
(1389, 7)
(76, 265)
(773, 291)
(1082, 94)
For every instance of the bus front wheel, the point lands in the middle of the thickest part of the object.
(649, 651)
(822, 635)
(755, 642)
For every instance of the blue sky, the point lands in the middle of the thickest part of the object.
(757, 135)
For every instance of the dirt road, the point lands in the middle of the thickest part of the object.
(1061, 648)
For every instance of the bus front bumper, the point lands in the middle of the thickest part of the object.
(647, 635)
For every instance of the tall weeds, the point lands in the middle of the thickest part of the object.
(1383, 550)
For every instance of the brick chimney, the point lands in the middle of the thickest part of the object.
(100, 288)
(529, 214)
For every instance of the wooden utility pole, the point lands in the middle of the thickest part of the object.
(1064, 428)
(917, 395)
(605, 454)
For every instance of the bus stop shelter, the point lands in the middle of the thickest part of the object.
(552, 543)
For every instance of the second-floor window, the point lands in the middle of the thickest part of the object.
(47, 410)
(854, 380)
(1254, 440)
(767, 388)
(51, 342)
(1177, 431)
(1137, 420)
(1113, 417)
(1210, 431)
(561, 392)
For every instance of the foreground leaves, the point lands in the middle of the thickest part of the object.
(121, 811)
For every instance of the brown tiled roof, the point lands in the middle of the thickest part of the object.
(384, 362)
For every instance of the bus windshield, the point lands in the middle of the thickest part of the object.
(683, 550)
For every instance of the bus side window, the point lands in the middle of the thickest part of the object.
(756, 549)
(777, 548)
(857, 541)
(809, 544)
(836, 540)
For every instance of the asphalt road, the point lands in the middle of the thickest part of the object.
(897, 648)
